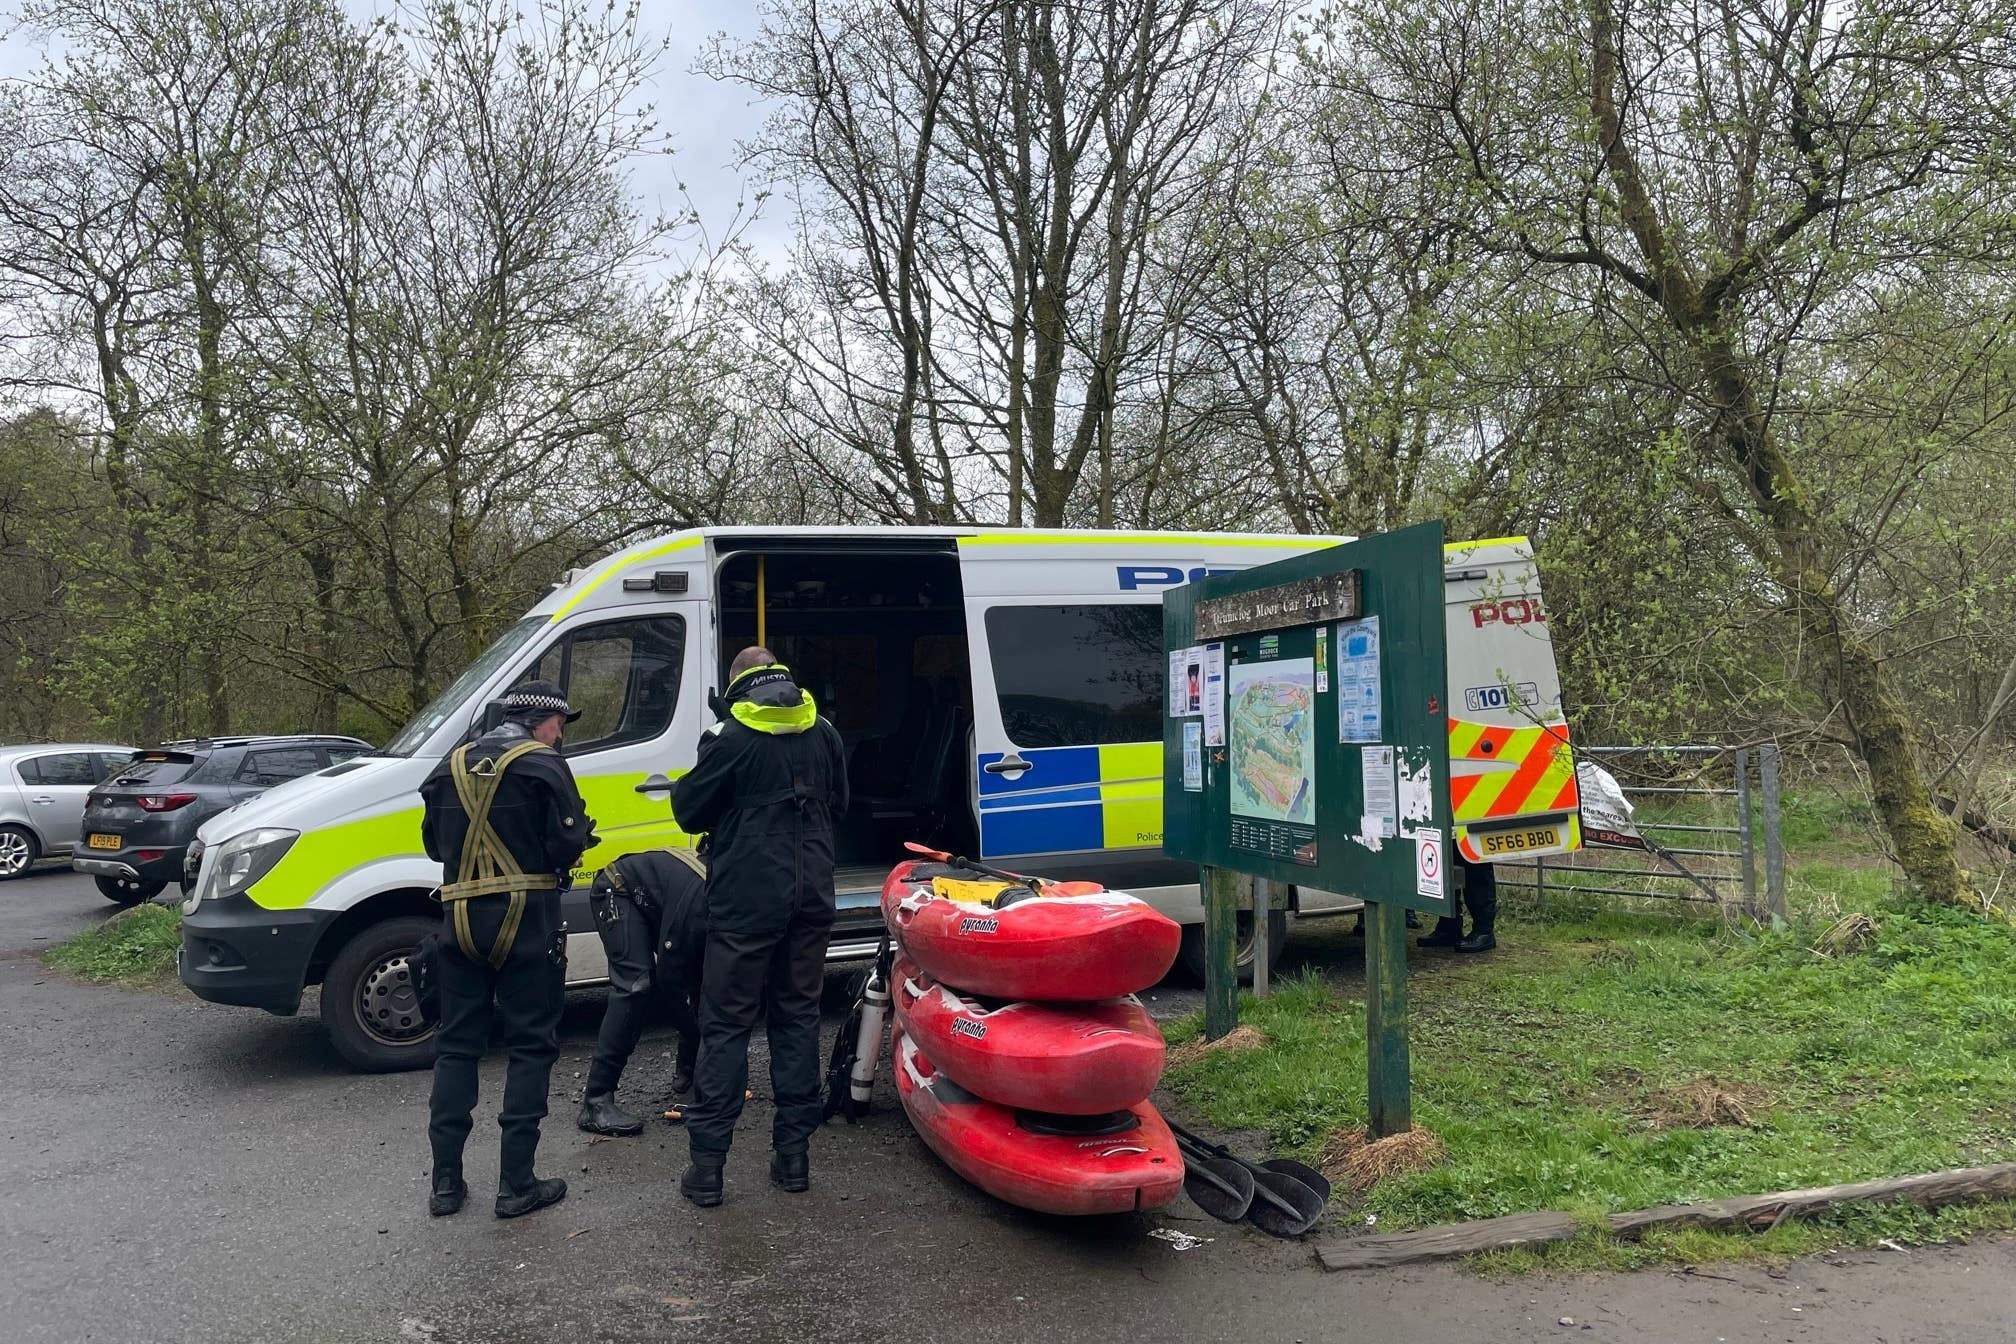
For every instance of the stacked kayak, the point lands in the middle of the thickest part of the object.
(1135, 1165)
(1074, 942)
(1021, 1055)
(1059, 1058)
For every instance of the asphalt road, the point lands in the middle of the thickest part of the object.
(174, 1171)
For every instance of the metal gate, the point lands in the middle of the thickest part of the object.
(1711, 815)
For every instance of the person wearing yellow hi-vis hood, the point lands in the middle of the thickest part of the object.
(505, 821)
(767, 786)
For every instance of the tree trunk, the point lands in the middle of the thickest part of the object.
(122, 416)
(1851, 672)
(322, 573)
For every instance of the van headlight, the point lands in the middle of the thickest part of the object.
(244, 859)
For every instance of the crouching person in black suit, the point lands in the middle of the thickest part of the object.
(651, 912)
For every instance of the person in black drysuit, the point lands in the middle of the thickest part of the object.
(651, 912)
(1480, 897)
(505, 821)
(768, 784)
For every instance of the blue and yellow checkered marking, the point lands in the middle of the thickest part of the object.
(1074, 798)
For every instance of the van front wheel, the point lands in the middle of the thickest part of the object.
(370, 1005)
(1191, 955)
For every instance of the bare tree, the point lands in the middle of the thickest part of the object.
(1732, 177)
(981, 188)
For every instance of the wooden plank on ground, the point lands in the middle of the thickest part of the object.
(1442, 1243)
(1760, 1212)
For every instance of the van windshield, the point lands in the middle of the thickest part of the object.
(455, 700)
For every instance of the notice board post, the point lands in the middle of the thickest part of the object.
(1220, 888)
(1305, 743)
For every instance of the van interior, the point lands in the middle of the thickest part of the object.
(878, 636)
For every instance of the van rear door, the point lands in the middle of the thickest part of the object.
(1511, 774)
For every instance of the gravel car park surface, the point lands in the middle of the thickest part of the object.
(177, 1171)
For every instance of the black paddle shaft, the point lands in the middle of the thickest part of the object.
(975, 866)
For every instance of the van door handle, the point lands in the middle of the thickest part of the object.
(1010, 765)
(655, 784)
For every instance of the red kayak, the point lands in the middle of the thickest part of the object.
(1067, 1059)
(1089, 944)
(1136, 1166)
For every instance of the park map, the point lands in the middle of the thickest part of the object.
(1271, 725)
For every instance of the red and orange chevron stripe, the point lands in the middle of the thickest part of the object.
(1528, 770)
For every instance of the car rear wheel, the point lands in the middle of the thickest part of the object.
(1191, 956)
(370, 1004)
(18, 851)
(128, 890)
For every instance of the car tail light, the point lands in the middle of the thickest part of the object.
(165, 802)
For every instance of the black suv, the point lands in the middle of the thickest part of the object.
(139, 823)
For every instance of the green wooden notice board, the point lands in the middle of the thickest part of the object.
(1314, 750)
(1305, 741)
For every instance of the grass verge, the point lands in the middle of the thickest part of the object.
(135, 947)
(1603, 1062)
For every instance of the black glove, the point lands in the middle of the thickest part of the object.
(425, 964)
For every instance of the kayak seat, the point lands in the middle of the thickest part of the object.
(1077, 1126)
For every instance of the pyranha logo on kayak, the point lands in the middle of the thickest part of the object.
(978, 924)
(964, 1027)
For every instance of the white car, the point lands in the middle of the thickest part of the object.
(42, 793)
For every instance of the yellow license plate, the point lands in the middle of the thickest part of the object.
(1519, 842)
(104, 842)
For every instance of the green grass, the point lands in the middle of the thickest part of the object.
(1555, 1069)
(136, 947)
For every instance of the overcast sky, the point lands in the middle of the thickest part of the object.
(703, 118)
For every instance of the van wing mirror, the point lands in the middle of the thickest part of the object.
(487, 718)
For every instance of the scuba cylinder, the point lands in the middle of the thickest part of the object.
(868, 1044)
(857, 1046)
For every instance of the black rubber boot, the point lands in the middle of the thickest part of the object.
(1448, 932)
(793, 1171)
(529, 1199)
(1480, 940)
(601, 1115)
(682, 1083)
(702, 1185)
(448, 1193)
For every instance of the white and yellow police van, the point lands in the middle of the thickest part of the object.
(1000, 693)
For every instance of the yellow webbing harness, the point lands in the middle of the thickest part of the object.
(487, 867)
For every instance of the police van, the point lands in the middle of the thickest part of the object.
(1000, 693)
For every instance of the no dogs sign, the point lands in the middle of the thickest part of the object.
(1428, 878)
